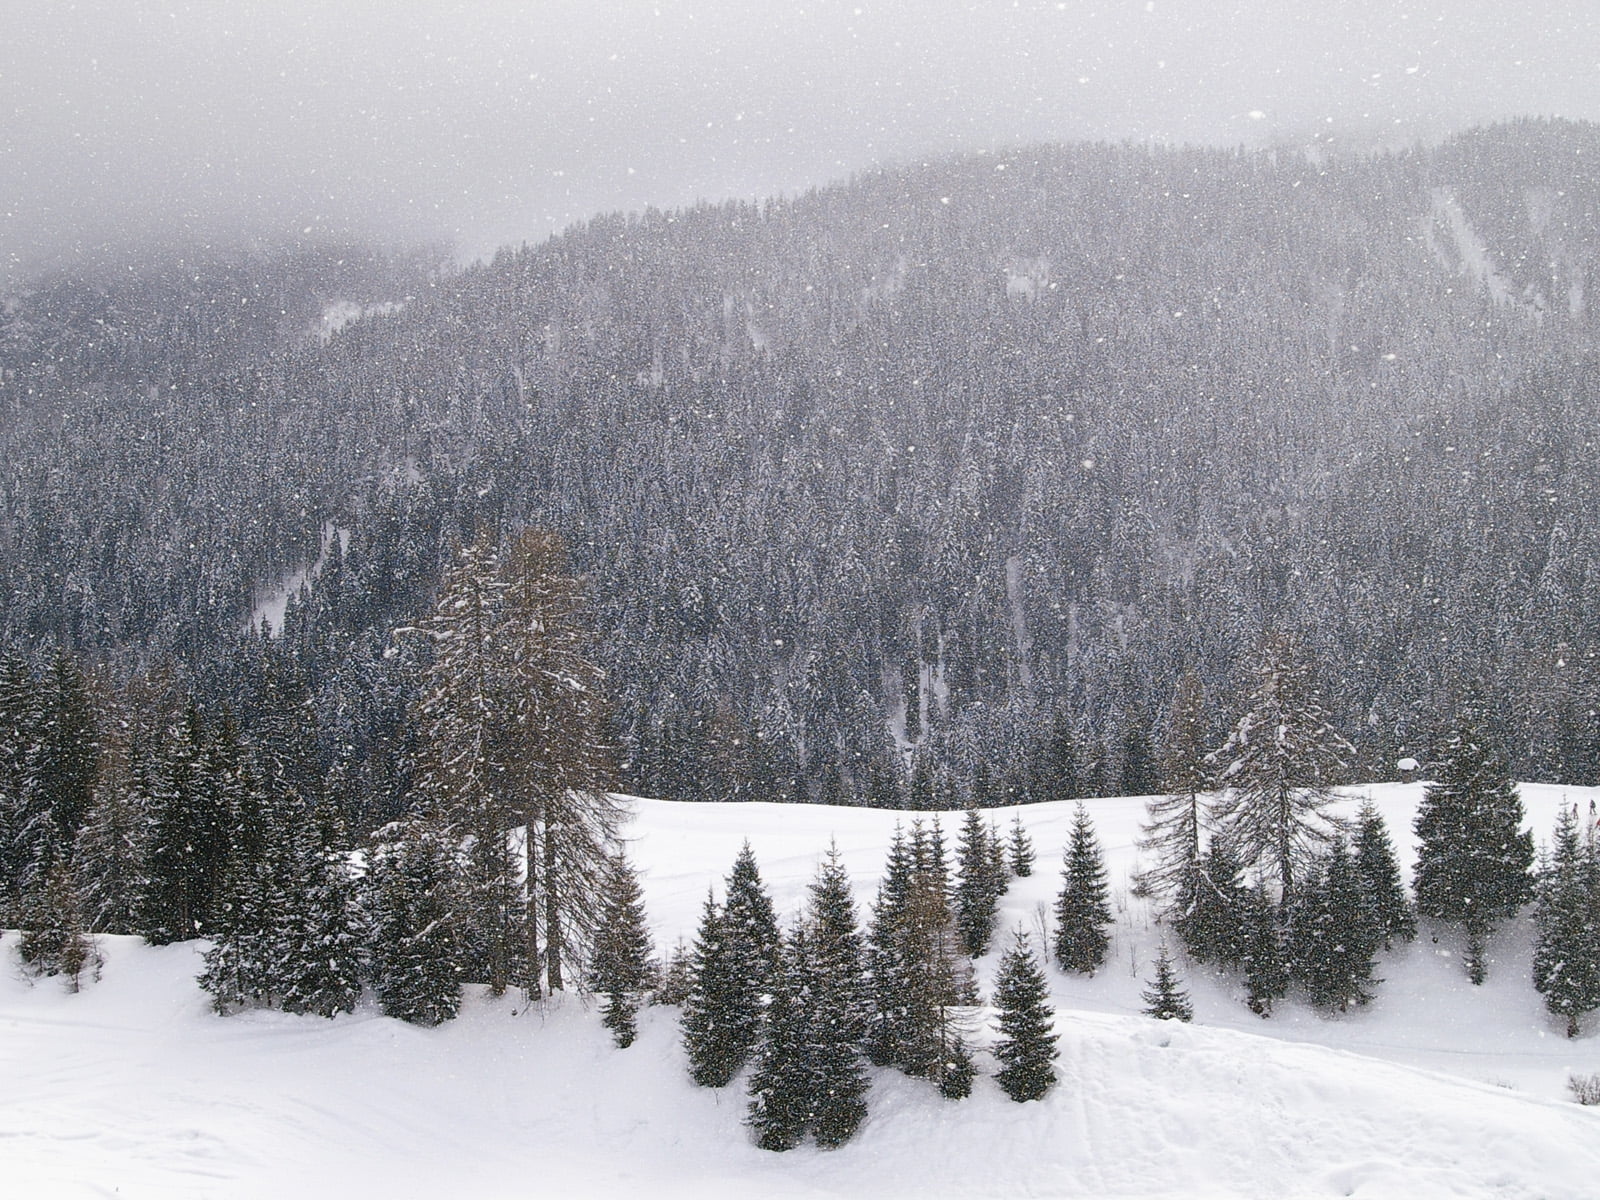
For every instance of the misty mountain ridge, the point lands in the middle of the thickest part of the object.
(941, 476)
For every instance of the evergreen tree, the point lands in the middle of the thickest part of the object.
(54, 939)
(1473, 858)
(1165, 998)
(620, 969)
(722, 1015)
(1279, 767)
(1027, 1043)
(1266, 968)
(1021, 848)
(411, 898)
(1336, 934)
(674, 977)
(1380, 872)
(978, 890)
(750, 926)
(782, 1092)
(109, 859)
(322, 967)
(838, 1006)
(187, 848)
(1211, 923)
(1082, 908)
(1566, 956)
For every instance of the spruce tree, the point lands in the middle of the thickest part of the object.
(411, 898)
(838, 1007)
(782, 1091)
(749, 923)
(1473, 858)
(1082, 908)
(54, 938)
(1165, 998)
(1265, 961)
(722, 1016)
(620, 968)
(1566, 957)
(1026, 1046)
(1211, 923)
(1021, 849)
(1380, 872)
(188, 844)
(1336, 934)
(978, 891)
(322, 967)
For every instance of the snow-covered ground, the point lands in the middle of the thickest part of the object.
(133, 1088)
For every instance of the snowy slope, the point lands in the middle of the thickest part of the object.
(134, 1088)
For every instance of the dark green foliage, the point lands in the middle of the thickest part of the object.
(188, 846)
(1566, 957)
(1336, 934)
(1265, 960)
(1083, 909)
(1026, 1046)
(957, 1071)
(1165, 998)
(1021, 849)
(55, 939)
(749, 924)
(675, 976)
(1473, 857)
(1380, 873)
(722, 1014)
(980, 885)
(781, 1085)
(620, 969)
(411, 897)
(1211, 919)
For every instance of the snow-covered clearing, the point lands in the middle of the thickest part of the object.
(133, 1088)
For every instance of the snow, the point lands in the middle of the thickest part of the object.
(1439, 1089)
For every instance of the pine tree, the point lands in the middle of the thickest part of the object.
(722, 1016)
(55, 939)
(782, 1090)
(1021, 848)
(674, 977)
(1265, 960)
(978, 891)
(1566, 956)
(411, 901)
(1380, 871)
(1473, 858)
(109, 858)
(749, 923)
(1336, 934)
(1211, 923)
(1165, 998)
(1027, 1043)
(188, 844)
(322, 967)
(838, 1005)
(1082, 908)
(1279, 767)
(620, 969)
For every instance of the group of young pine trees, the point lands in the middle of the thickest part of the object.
(1254, 875)
(807, 1009)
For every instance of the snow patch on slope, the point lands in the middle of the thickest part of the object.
(272, 597)
(1458, 247)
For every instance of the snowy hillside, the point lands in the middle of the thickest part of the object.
(134, 1088)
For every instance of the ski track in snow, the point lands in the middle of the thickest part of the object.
(1439, 1089)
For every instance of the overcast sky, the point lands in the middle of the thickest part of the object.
(485, 123)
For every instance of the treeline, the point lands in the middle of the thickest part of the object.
(925, 489)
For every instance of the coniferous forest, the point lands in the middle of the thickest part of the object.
(1223, 478)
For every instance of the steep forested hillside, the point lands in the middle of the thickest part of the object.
(928, 484)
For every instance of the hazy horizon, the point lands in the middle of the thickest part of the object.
(493, 123)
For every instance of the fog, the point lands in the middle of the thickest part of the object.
(497, 122)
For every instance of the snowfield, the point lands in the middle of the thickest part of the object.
(134, 1088)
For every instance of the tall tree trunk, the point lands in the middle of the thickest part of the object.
(530, 854)
(552, 912)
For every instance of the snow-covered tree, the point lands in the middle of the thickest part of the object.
(1083, 909)
(1026, 1046)
(620, 969)
(1336, 933)
(1020, 848)
(1566, 956)
(1165, 998)
(1473, 857)
(1380, 871)
(1175, 822)
(1278, 769)
(411, 898)
(979, 885)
